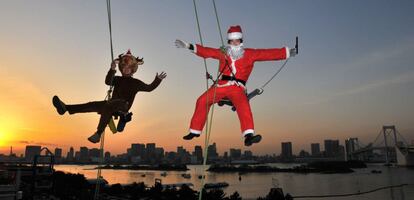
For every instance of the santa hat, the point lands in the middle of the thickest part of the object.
(234, 33)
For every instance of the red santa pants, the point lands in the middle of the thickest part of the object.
(236, 94)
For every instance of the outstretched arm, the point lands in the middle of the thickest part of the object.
(150, 87)
(205, 52)
(271, 54)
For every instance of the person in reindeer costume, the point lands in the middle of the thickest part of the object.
(125, 89)
(236, 64)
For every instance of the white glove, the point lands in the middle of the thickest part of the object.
(182, 44)
(292, 52)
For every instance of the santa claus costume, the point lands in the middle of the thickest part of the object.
(236, 64)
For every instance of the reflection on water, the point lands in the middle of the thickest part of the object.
(253, 185)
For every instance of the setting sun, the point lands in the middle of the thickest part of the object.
(8, 127)
(4, 137)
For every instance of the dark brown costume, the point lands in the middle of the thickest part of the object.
(125, 89)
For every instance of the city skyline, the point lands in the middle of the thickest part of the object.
(353, 73)
(320, 149)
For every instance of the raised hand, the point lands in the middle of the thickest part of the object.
(114, 63)
(162, 75)
(292, 52)
(182, 44)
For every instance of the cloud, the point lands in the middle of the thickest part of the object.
(35, 143)
(399, 79)
(375, 58)
(21, 92)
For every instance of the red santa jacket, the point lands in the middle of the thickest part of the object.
(243, 66)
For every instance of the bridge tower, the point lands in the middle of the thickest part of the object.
(389, 130)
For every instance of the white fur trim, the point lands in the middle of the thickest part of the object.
(197, 132)
(233, 67)
(245, 132)
(195, 48)
(234, 36)
(287, 52)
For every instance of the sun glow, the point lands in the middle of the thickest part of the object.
(4, 138)
(7, 129)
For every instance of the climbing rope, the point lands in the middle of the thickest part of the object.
(207, 87)
(108, 97)
(218, 22)
(209, 120)
(275, 74)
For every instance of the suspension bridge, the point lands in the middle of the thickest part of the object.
(388, 147)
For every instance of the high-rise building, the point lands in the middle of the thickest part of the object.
(31, 152)
(181, 151)
(331, 148)
(150, 150)
(84, 154)
(226, 155)
(235, 154)
(212, 152)
(315, 149)
(77, 156)
(198, 152)
(159, 153)
(248, 154)
(138, 150)
(183, 155)
(58, 153)
(11, 151)
(303, 154)
(286, 150)
(94, 153)
(107, 156)
(71, 154)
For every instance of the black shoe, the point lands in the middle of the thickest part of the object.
(123, 120)
(250, 139)
(59, 105)
(95, 138)
(190, 136)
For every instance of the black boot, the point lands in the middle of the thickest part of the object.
(59, 105)
(250, 139)
(190, 136)
(123, 119)
(96, 137)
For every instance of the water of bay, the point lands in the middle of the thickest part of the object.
(253, 185)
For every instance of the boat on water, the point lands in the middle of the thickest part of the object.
(216, 185)
(164, 174)
(187, 176)
(172, 185)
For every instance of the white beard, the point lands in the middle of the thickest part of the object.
(235, 52)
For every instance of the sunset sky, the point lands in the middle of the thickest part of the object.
(354, 72)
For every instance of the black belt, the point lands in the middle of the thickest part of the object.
(231, 78)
